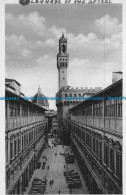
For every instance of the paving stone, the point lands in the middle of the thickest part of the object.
(56, 172)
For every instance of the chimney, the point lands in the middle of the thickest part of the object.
(116, 76)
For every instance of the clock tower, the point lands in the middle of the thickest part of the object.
(62, 62)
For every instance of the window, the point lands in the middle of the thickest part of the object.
(86, 139)
(83, 136)
(15, 147)
(96, 109)
(90, 141)
(24, 111)
(6, 152)
(119, 108)
(11, 150)
(89, 111)
(22, 142)
(94, 145)
(106, 155)
(119, 165)
(100, 150)
(14, 109)
(101, 109)
(97, 147)
(113, 108)
(19, 145)
(6, 109)
(111, 159)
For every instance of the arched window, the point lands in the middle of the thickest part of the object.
(63, 48)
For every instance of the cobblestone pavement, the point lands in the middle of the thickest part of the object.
(56, 172)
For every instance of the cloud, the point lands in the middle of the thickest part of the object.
(32, 46)
(26, 53)
(50, 42)
(15, 40)
(108, 26)
(31, 23)
(9, 16)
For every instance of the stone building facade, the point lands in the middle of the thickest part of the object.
(25, 139)
(66, 93)
(96, 139)
(54, 124)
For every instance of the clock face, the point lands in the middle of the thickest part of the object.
(63, 48)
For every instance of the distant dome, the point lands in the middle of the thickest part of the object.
(42, 102)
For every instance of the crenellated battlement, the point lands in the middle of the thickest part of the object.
(80, 90)
(76, 92)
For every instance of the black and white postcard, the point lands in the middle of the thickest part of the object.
(62, 96)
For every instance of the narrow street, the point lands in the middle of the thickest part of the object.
(56, 172)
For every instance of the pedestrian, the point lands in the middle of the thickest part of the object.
(50, 182)
(70, 189)
(59, 191)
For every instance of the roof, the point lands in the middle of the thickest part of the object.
(22, 99)
(99, 93)
(8, 85)
(51, 115)
(120, 72)
(42, 102)
(63, 38)
(10, 80)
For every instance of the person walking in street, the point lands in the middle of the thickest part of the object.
(59, 191)
(70, 189)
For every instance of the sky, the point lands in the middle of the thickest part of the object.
(94, 38)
